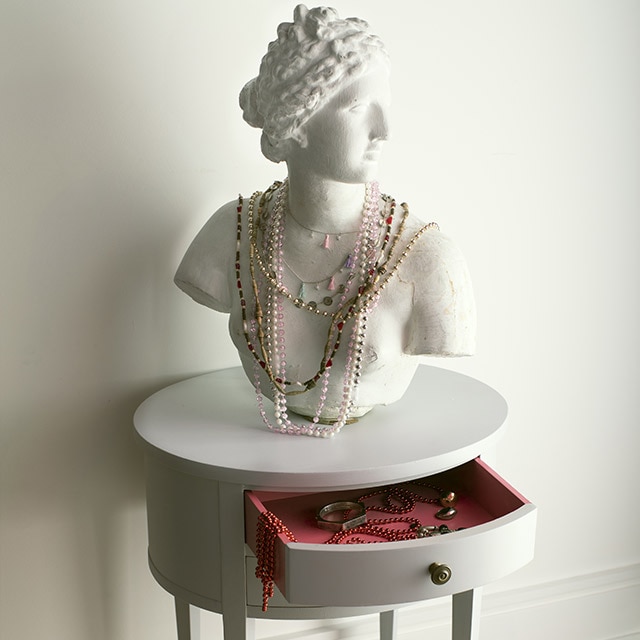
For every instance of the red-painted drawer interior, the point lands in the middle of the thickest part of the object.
(487, 508)
(482, 497)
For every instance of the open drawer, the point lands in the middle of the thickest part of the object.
(495, 537)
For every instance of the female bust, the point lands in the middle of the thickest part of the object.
(332, 287)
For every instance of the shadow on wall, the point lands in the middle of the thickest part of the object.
(72, 474)
(98, 192)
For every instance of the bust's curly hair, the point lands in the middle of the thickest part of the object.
(302, 69)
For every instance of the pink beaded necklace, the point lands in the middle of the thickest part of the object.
(275, 347)
(264, 330)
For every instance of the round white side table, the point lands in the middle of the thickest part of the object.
(210, 461)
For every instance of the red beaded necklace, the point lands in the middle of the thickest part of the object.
(400, 498)
(396, 499)
(268, 529)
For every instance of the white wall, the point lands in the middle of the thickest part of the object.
(516, 127)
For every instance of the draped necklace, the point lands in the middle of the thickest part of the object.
(368, 268)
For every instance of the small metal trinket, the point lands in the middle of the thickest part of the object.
(446, 513)
(424, 531)
(448, 499)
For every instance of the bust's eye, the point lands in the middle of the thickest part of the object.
(357, 107)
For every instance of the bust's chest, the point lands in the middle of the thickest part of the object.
(304, 332)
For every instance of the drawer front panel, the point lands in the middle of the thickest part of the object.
(398, 572)
(497, 540)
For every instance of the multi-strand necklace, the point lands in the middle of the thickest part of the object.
(366, 274)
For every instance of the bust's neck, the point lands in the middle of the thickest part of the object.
(324, 205)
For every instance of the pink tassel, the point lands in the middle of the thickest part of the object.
(332, 284)
(326, 244)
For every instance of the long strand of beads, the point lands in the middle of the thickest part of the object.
(284, 423)
(350, 380)
(374, 275)
(377, 528)
(268, 529)
(280, 408)
(262, 355)
(355, 353)
(356, 349)
(276, 330)
(273, 343)
(356, 343)
(400, 499)
(276, 268)
(351, 374)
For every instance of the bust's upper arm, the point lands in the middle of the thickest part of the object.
(204, 273)
(443, 318)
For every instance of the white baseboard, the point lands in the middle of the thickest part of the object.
(597, 606)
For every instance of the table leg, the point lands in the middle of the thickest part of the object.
(466, 615)
(388, 620)
(188, 620)
(232, 560)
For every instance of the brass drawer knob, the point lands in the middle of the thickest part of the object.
(440, 573)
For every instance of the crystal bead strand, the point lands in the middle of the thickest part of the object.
(363, 243)
(373, 276)
(283, 421)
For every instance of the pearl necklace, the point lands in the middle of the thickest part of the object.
(264, 333)
(335, 329)
(275, 329)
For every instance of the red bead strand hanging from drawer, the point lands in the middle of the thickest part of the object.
(268, 529)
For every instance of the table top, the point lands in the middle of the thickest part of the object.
(210, 426)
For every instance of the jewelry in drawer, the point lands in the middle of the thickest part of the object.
(400, 543)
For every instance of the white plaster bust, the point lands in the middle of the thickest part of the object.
(332, 292)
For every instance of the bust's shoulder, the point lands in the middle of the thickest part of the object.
(443, 318)
(427, 246)
(204, 270)
(224, 219)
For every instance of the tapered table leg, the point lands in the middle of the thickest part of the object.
(466, 615)
(188, 620)
(388, 623)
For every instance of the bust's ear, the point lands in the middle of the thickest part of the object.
(299, 138)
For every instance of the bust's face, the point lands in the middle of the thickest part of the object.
(345, 137)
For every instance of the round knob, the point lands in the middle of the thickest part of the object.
(440, 573)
